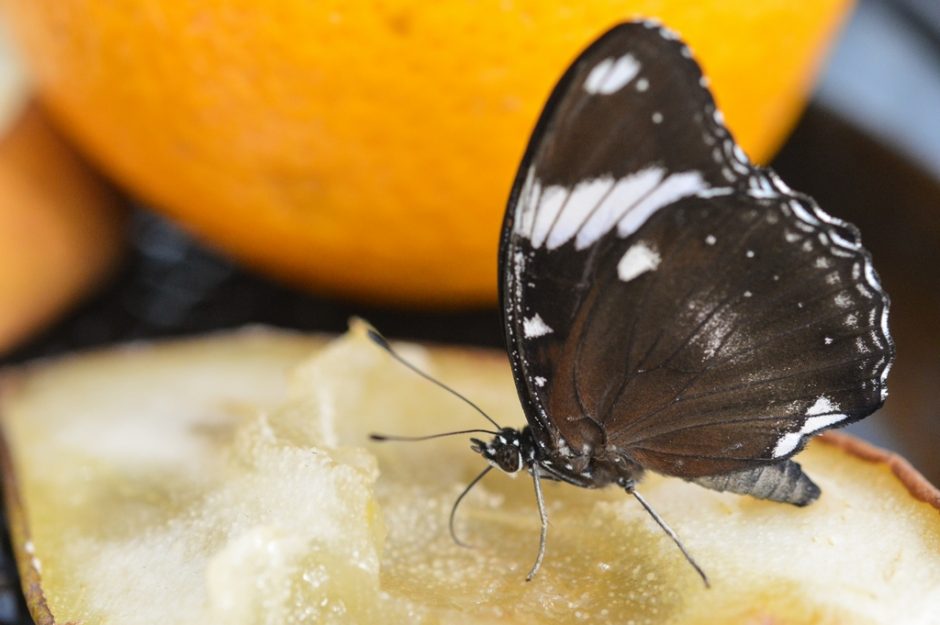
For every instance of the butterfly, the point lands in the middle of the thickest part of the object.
(669, 306)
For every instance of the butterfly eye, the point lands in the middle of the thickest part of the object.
(507, 457)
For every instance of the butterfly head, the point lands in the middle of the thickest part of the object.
(511, 450)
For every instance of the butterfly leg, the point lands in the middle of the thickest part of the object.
(543, 517)
(453, 510)
(669, 531)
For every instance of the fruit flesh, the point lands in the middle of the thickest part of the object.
(190, 483)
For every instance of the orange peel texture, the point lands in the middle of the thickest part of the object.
(366, 148)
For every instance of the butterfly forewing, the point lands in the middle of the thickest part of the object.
(665, 299)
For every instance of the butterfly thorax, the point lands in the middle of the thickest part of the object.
(513, 450)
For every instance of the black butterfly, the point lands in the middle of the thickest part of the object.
(669, 306)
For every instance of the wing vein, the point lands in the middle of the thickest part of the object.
(745, 419)
(632, 373)
(723, 390)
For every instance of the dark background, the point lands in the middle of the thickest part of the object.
(868, 150)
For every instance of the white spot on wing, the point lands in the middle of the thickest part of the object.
(639, 259)
(820, 415)
(715, 192)
(539, 381)
(555, 214)
(627, 192)
(870, 276)
(535, 327)
(667, 34)
(657, 117)
(528, 199)
(550, 203)
(838, 239)
(787, 443)
(675, 186)
(803, 214)
(584, 198)
(610, 76)
(884, 330)
(779, 183)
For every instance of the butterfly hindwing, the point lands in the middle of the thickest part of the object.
(663, 297)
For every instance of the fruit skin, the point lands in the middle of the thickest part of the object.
(61, 227)
(367, 148)
(917, 485)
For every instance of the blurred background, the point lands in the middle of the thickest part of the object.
(138, 201)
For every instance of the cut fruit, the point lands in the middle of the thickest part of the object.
(191, 482)
(61, 227)
(14, 86)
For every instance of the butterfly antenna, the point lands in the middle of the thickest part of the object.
(672, 535)
(410, 439)
(543, 518)
(453, 510)
(382, 342)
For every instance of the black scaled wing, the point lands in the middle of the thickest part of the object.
(665, 298)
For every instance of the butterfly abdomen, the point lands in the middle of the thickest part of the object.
(784, 482)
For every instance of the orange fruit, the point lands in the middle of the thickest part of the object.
(61, 227)
(367, 148)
